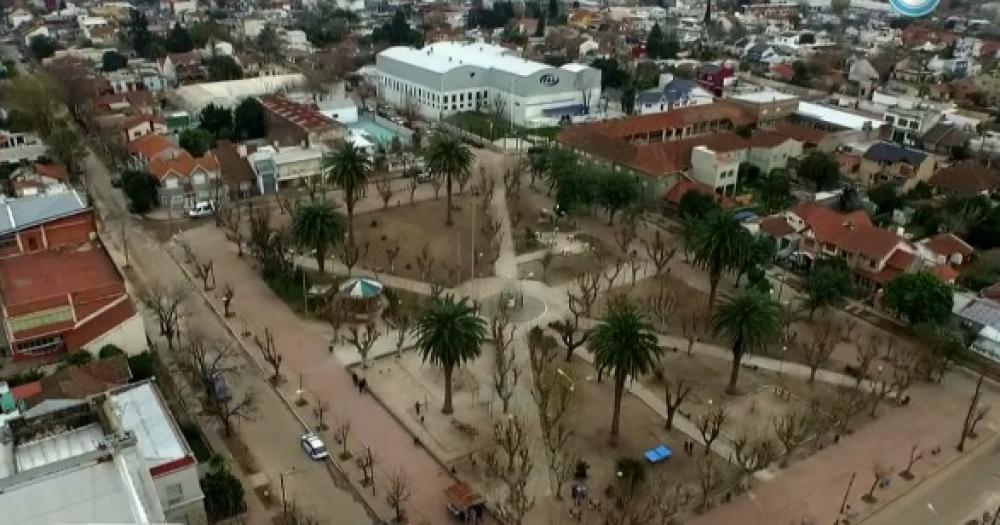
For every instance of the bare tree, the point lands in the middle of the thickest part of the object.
(973, 414)
(553, 393)
(709, 478)
(915, 456)
(351, 253)
(660, 251)
(402, 328)
(341, 434)
(207, 362)
(368, 469)
(635, 264)
(695, 323)
(510, 463)
(710, 426)
(828, 332)
(411, 187)
(624, 236)
(753, 454)
(546, 262)
(398, 494)
(165, 302)
(436, 181)
(661, 305)
(791, 429)
(866, 354)
(588, 289)
(879, 472)
(570, 333)
(612, 273)
(230, 410)
(320, 410)
(505, 371)
(271, 354)
(675, 392)
(390, 257)
(228, 292)
(425, 262)
(363, 339)
(383, 185)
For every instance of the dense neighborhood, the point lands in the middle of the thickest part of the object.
(499, 261)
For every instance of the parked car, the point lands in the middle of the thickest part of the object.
(201, 209)
(314, 446)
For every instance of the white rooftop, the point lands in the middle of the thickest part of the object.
(58, 447)
(836, 117)
(442, 57)
(228, 94)
(761, 97)
(140, 411)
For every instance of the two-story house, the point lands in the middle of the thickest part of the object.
(183, 179)
(718, 166)
(673, 93)
(714, 77)
(139, 126)
(276, 168)
(770, 150)
(888, 162)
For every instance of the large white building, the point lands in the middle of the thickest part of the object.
(453, 77)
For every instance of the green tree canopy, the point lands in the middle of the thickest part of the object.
(919, 298)
(828, 285)
(625, 346)
(216, 120)
(449, 157)
(449, 334)
(695, 206)
(139, 36)
(719, 245)
(222, 67)
(349, 168)
(886, 197)
(317, 226)
(140, 188)
(819, 168)
(113, 61)
(268, 42)
(660, 45)
(751, 321)
(179, 39)
(33, 103)
(42, 47)
(65, 145)
(223, 494)
(398, 32)
(248, 119)
(774, 191)
(196, 141)
(617, 191)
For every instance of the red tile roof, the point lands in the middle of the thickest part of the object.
(183, 165)
(767, 139)
(657, 159)
(803, 134)
(306, 116)
(784, 71)
(948, 244)
(151, 146)
(639, 126)
(136, 120)
(27, 390)
(685, 184)
(968, 177)
(80, 382)
(52, 171)
(901, 260)
(45, 275)
(776, 226)
(852, 232)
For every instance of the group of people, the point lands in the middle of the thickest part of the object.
(360, 383)
(580, 494)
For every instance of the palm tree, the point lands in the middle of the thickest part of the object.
(752, 320)
(317, 225)
(624, 345)
(447, 156)
(449, 334)
(718, 244)
(349, 167)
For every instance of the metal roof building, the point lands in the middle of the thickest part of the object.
(444, 78)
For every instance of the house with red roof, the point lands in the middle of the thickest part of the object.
(182, 178)
(771, 150)
(139, 126)
(36, 178)
(811, 231)
(292, 123)
(783, 72)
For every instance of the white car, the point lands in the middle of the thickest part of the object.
(314, 446)
(201, 209)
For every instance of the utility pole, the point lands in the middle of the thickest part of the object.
(847, 493)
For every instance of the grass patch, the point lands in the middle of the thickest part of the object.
(491, 127)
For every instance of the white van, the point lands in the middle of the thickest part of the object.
(201, 209)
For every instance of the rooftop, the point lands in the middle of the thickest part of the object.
(48, 274)
(441, 57)
(18, 214)
(837, 117)
(764, 97)
(891, 152)
(141, 411)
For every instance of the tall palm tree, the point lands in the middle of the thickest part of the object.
(447, 156)
(751, 320)
(349, 167)
(317, 225)
(624, 345)
(449, 334)
(719, 244)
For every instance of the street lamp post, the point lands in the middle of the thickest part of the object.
(281, 478)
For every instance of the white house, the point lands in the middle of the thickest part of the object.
(280, 167)
(18, 17)
(38, 31)
(717, 167)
